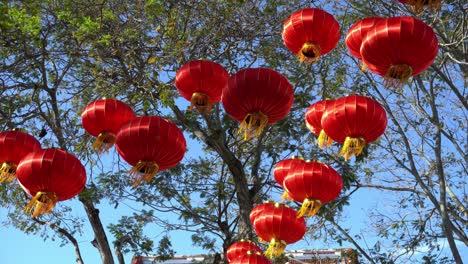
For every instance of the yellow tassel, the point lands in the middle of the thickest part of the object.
(143, 171)
(285, 196)
(352, 147)
(323, 140)
(362, 66)
(7, 172)
(397, 76)
(275, 249)
(41, 203)
(309, 53)
(202, 102)
(253, 125)
(104, 142)
(309, 208)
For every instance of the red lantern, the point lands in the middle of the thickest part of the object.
(257, 97)
(357, 33)
(313, 184)
(251, 258)
(419, 4)
(354, 121)
(14, 145)
(240, 248)
(313, 120)
(258, 209)
(201, 82)
(311, 33)
(282, 169)
(150, 144)
(102, 119)
(398, 48)
(50, 176)
(279, 225)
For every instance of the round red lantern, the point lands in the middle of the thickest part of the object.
(357, 33)
(258, 209)
(282, 169)
(398, 48)
(419, 4)
(251, 258)
(279, 226)
(14, 145)
(103, 118)
(201, 82)
(50, 176)
(257, 97)
(354, 121)
(241, 248)
(313, 121)
(313, 184)
(311, 33)
(150, 144)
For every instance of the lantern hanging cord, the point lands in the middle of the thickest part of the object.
(253, 125)
(41, 203)
(275, 248)
(7, 172)
(309, 208)
(352, 147)
(309, 53)
(143, 171)
(397, 76)
(104, 141)
(323, 140)
(201, 101)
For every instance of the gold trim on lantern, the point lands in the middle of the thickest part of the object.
(201, 101)
(41, 203)
(309, 53)
(397, 76)
(104, 141)
(7, 172)
(352, 147)
(253, 125)
(275, 248)
(309, 208)
(143, 171)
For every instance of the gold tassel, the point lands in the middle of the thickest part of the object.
(362, 66)
(309, 53)
(397, 76)
(285, 196)
(143, 171)
(41, 203)
(352, 147)
(275, 248)
(253, 125)
(202, 102)
(104, 142)
(323, 140)
(309, 208)
(7, 172)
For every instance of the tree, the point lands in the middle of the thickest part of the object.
(56, 57)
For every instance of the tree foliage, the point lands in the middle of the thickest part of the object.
(57, 56)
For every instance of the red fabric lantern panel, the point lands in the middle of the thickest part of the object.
(278, 225)
(313, 121)
(258, 209)
(281, 170)
(240, 248)
(103, 118)
(313, 184)
(257, 97)
(150, 144)
(357, 33)
(14, 145)
(354, 121)
(201, 82)
(398, 48)
(419, 4)
(50, 176)
(311, 33)
(251, 258)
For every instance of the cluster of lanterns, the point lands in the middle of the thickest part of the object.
(395, 48)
